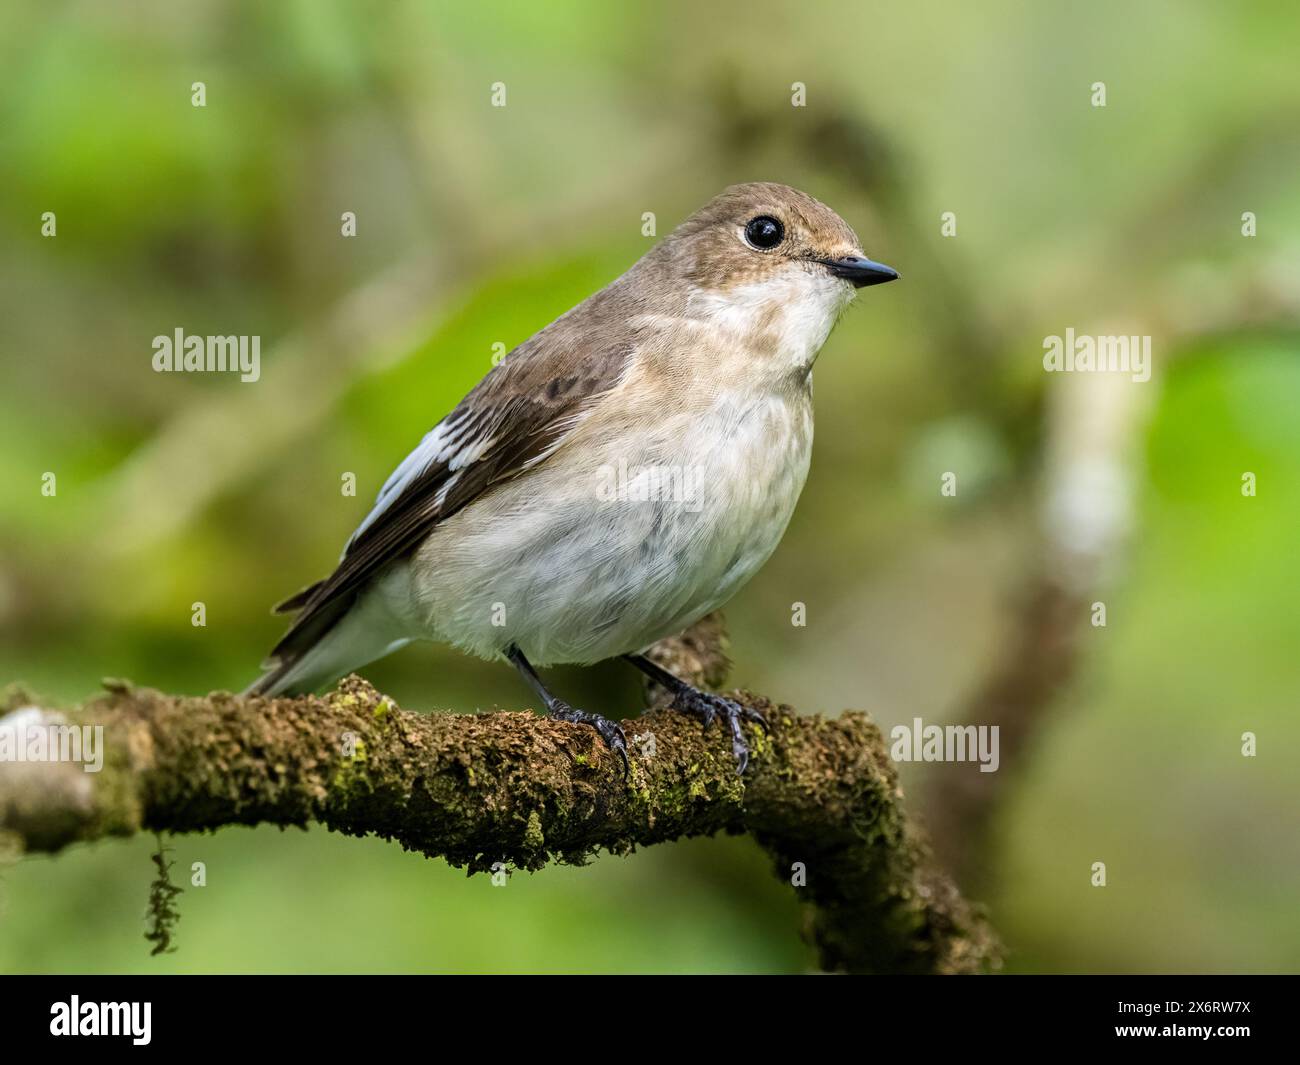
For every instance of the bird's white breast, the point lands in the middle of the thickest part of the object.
(622, 537)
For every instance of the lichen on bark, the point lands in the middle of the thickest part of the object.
(821, 796)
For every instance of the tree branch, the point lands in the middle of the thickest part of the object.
(514, 788)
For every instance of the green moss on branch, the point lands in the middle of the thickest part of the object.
(821, 797)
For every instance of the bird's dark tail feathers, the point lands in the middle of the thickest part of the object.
(310, 654)
(296, 601)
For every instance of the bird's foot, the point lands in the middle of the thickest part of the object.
(708, 707)
(609, 731)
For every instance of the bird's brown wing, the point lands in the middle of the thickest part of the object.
(511, 421)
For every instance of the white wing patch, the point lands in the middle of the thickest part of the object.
(454, 441)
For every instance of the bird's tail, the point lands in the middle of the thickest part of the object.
(276, 680)
(333, 645)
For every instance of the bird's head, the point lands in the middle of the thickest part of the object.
(766, 257)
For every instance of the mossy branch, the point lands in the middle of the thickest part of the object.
(820, 796)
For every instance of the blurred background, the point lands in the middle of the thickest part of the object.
(477, 225)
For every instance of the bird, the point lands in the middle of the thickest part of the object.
(611, 480)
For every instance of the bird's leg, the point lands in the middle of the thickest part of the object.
(610, 731)
(704, 705)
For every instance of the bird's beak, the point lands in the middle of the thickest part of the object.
(860, 271)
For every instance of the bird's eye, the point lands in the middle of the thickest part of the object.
(764, 232)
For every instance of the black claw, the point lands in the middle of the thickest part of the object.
(609, 731)
(739, 749)
(616, 741)
(708, 707)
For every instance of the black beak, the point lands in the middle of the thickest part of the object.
(862, 272)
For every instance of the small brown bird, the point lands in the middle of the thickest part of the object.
(616, 477)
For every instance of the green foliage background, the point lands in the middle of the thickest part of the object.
(181, 488)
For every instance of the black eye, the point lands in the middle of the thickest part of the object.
(764, 232)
